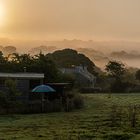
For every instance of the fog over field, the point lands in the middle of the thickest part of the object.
(100, 52)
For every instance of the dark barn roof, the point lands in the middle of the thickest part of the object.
(22, 75)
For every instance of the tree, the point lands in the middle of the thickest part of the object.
(115, 69)
(67, 58)
(2, 59)
(42, 64)
(9, 50)
(137, 75)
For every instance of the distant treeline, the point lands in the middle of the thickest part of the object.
(115, 78)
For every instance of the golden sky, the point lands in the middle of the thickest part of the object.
(81, 19)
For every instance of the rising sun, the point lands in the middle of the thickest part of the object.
(2, 13)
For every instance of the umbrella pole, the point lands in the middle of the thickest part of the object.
(42, 102)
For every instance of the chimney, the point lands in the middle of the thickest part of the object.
(25, 69)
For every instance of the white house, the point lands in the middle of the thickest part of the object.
(83, 76)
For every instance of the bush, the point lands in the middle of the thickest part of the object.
(78, 101)
(73, 101)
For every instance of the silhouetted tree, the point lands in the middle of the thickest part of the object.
(115, 69)
(9, 50)
(39, 64)
(138, 75)
(2, 58)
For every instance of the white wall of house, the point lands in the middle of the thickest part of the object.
(82, 70)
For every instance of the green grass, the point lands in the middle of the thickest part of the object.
(91, 122)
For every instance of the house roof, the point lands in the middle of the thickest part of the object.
(22, 75)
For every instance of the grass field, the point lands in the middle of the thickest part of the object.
(91, 122)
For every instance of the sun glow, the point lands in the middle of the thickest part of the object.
(2, 14)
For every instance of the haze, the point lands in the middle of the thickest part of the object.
(82, 19)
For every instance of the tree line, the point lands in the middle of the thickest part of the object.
(115, 78)
(120, 79)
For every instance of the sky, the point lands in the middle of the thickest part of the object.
(81, 19)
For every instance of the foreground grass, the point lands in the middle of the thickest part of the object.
(91, 122)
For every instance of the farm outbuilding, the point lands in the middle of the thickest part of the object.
(25, 82)
(32, 101)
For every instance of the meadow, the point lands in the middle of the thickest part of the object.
(104, 117)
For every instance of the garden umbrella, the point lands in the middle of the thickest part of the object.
(43, 89)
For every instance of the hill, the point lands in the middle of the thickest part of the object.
(67, 58)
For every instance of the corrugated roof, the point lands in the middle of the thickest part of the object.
(22, 75)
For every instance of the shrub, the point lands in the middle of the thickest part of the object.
(78, 101)
(73, 101)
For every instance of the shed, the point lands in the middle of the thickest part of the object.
(24, 82)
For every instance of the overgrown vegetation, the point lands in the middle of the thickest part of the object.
(10, 102)
(8, 99)
(39, 64)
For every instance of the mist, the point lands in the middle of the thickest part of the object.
(100, 52)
